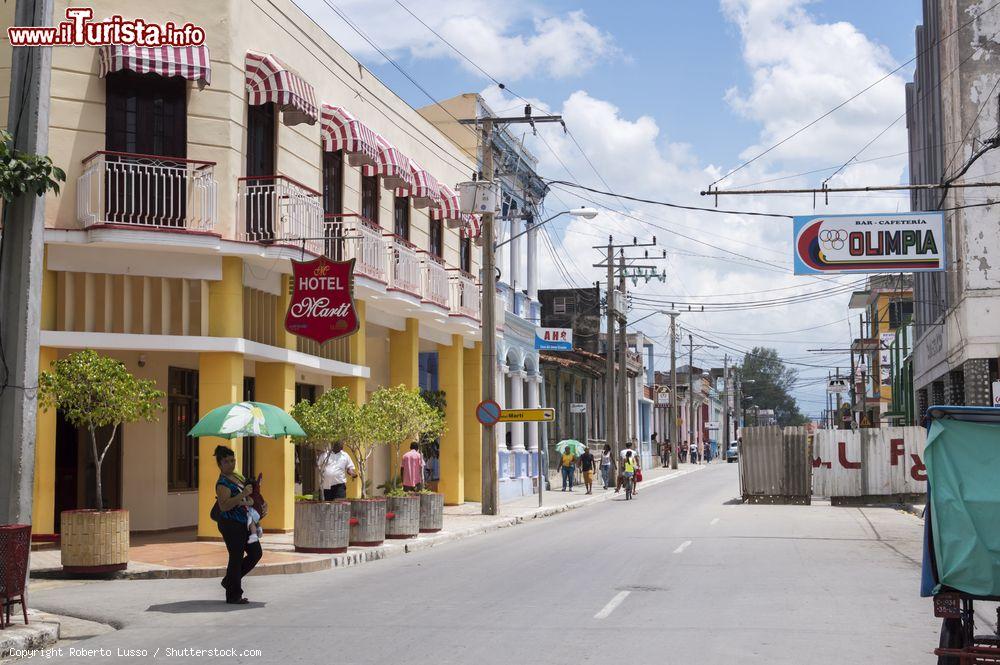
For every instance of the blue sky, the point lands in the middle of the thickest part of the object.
(664, 97)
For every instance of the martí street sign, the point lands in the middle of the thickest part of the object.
(527, 415)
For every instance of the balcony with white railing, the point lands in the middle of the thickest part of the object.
(435, 281)
(278, 210)
(403, 265)
(465, 297)
(146, 192)
(355, 237)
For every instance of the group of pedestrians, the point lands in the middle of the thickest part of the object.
(588, 464)
(687, 452)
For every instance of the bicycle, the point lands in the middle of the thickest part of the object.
(629, 484)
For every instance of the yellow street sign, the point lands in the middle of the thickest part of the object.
(527, 415)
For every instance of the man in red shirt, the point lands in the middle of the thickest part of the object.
(412, 468)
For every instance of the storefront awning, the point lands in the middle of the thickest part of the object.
(473, 227)
(392, 165)
(342, 131)
(189, 62)
(426, 190)
(269, 80)
(449, 208)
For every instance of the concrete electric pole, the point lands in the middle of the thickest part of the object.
(488, 279)
(22, 254)
(674, 433)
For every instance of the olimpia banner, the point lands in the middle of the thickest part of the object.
(903, 242)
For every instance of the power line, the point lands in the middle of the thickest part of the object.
(851, 98)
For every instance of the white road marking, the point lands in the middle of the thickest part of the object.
(682, 547)
(714, 522)
(612, 604)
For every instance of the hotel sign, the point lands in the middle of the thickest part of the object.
(321, 306)
(905, 242)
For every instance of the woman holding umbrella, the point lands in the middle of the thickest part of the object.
(232, 491)
(570, 449)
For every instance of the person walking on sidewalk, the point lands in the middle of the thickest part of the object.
(587, 464)
(566, 465)
(606, 462)
(232, 496)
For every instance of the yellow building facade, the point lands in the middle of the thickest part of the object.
(170, 247)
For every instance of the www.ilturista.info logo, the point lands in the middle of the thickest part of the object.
(80, 30)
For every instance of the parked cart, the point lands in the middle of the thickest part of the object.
(961, 562)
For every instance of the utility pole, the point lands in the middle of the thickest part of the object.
(674, 433)
(488, 279)
(611, 427)
(725, 401)
(21, 273)
(488, 444)
(623, 414)
(691, 394)
(615, 395)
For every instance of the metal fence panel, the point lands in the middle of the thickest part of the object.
(774, 464)
(882, 462)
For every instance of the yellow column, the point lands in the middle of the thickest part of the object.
(451, 375)
(275, 384)
(404, 355)
(43, 507)
(472, 434)
(220, 381)
(285, 339)
(358, 355)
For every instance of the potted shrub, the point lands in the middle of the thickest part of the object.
(96, 392)
(400, 416)
(322, 526)
(367, 513)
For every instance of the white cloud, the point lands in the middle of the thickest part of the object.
(510, 40)
(799, 68)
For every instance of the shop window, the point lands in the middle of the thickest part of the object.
(182, 414)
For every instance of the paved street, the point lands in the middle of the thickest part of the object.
(681, 575)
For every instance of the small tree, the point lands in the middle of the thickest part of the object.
(400, 415)
(23, 173)
(327, 420)
(95, 391)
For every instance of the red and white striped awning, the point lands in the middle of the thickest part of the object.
(189, 62)
(426, 190)
(268, 80)
(342, 131)
(392, 165)
(473, 227)
(450, 208)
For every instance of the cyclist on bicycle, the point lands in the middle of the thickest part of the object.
(629, 467)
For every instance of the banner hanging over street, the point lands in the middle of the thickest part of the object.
(904, 242)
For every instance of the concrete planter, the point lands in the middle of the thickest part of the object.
(403, 518)
(367, 522)
(322, 527)
(94, 541)
(431, 513)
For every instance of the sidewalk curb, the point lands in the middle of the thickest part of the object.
(42, 631)
(289, 568)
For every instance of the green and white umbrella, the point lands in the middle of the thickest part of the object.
(574, 447)
(247, 419)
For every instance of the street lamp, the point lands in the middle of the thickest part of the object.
(586, 213)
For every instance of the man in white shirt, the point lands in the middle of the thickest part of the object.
(335, 472)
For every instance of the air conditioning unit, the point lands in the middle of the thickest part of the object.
(478, 197)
